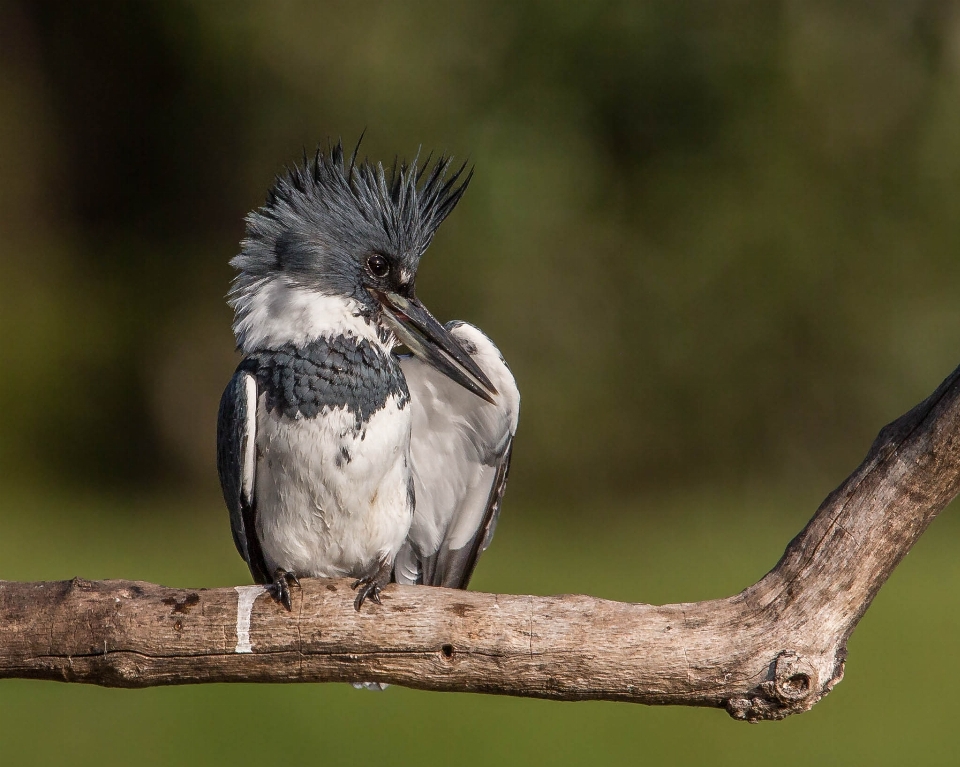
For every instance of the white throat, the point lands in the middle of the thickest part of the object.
(272, 312)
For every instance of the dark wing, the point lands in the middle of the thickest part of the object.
(460, 452)
(237, 464)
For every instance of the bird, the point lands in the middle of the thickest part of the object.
(358, 436)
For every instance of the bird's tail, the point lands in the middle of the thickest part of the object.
(377, 686)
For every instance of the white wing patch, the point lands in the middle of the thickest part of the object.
(248, 475)
(458, 445)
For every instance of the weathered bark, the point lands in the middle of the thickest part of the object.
(772, 650)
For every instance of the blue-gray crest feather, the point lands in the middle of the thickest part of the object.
(323, 218)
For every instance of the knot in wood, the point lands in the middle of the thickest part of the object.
(793, 678)
(791, 689)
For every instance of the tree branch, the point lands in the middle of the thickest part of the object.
(775, 649)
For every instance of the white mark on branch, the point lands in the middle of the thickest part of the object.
(246, 596)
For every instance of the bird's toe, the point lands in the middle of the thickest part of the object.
(282, 580)
(371, 586)
(368, 589)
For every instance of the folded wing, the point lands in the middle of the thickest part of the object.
(460, 452)
(236, 464)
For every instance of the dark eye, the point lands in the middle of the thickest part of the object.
(378, 265)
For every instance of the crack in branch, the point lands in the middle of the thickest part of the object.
(683, 645)
(530, 613)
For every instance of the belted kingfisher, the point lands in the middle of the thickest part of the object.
(338, 457)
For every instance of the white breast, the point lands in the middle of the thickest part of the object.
(332, 500)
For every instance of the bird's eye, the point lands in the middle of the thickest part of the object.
(378, 265)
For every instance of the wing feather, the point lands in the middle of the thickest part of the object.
(236, 465)
(460, 449)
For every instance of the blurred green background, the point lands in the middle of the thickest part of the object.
(717, 243)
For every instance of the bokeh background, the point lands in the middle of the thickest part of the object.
(717, 243)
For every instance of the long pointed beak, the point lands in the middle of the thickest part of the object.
(420, 332)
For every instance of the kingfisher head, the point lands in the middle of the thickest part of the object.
(335, 251)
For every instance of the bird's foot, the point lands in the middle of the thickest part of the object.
(371, 586)
(282, 581)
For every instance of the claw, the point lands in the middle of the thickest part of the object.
(282, 580)
(371, 586)
(370, 589)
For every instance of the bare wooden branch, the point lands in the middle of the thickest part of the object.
(772, 650)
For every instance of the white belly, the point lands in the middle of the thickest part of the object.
(333, 501)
